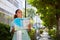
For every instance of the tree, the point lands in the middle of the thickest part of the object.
(50, 12)
(30, 12)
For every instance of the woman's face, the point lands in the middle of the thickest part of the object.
(19, 14)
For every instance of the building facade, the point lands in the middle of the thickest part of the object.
(8, 7)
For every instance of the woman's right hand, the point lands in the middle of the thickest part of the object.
(13, 30)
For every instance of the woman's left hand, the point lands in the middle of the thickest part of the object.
(29, 27)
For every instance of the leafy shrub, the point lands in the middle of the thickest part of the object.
(52, 33)
(4, 32)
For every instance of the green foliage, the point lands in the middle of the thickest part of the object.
(4, 32)
(47, 10)
(32, 34)
(30, 12)
(41, 31)
(1, 14)
(52, 33)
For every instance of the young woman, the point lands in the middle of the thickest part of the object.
(20, 33)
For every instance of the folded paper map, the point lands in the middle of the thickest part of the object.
(21, 23)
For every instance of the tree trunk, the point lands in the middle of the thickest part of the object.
(58, 26)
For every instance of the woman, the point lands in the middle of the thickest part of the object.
(20, 33)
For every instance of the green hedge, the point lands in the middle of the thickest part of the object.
(52, 33)
(4, 32)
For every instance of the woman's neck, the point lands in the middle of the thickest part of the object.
(19, 16)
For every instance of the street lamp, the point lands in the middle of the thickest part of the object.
(25, 8)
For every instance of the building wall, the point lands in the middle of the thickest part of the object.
(8, 7)
(5, 5)
(11, 5)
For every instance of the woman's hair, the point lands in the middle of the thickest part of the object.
(15, 16)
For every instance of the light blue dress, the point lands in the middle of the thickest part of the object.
(21, 33)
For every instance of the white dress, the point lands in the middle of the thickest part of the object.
(21, 32)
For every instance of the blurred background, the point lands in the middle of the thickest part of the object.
(48, 17)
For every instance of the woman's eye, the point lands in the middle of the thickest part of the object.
(18, 12)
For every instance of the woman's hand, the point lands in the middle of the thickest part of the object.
(13, 30)
(29, 27)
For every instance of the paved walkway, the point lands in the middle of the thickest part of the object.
(44, 36)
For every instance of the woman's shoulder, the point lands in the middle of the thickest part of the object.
(17, 19)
